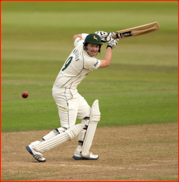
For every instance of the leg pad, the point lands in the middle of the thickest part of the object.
(94, 119)
(59, 139)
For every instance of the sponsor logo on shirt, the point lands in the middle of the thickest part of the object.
(96, 63)
(79, 40)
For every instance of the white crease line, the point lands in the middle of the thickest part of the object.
(77, 165)
(122, 168)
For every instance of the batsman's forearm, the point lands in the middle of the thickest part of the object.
(108, 56)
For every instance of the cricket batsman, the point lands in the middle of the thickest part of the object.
(71, 105)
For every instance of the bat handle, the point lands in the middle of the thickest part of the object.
(115, 36)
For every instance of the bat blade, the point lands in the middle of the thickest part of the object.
(136, 31)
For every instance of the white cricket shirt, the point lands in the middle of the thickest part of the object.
(76, 67)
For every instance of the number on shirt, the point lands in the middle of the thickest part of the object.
(68, 61)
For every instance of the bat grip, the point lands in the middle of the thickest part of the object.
(115, 36)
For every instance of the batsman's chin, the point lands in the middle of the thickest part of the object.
(92, 54)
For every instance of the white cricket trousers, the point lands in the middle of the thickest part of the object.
(71, 105)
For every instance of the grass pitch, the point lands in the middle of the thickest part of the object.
(139, 87)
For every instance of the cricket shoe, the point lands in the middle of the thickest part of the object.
(77, 155)
(37, 155)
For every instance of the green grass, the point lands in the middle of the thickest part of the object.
(167, 179)
(139, 87)
(14, 179)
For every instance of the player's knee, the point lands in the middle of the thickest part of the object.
(74, 131)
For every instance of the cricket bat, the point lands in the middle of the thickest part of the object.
(135, 31)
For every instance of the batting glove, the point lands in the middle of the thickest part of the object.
(105, 37)
(112, 43)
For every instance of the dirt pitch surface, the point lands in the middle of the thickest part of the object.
(127, 153)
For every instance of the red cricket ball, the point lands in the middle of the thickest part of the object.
(25, 94)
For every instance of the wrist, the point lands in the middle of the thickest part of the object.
(109, 46)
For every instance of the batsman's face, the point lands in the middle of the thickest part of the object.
(92, 49)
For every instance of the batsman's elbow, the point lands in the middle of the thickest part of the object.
(107, 64)
(104, 63)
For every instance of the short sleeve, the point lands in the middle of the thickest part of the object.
(78, 41)
(92, 64)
